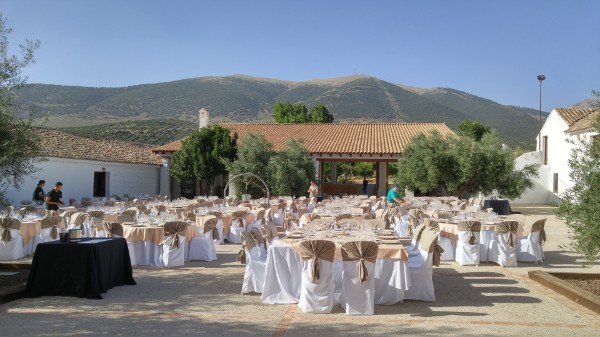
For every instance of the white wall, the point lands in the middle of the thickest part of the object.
(77, 177)
(539, 193)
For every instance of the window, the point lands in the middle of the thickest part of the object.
(555, 183)
(545, 144)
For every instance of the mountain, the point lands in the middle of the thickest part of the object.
(587, 103)
(243, 98)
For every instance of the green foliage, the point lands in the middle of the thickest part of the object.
(580, 207)
(462, 165)
(364, 169)
(292, 170)
(156, 132)
(286, 112)
(320, 114)
(287, 173)
(253, 155)
(203, 155)
(19, 143)
(473, 129)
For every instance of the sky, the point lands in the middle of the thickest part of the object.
(493, 49)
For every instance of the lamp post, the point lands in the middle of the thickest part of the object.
(540, 78)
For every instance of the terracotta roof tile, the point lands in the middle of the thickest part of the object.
(61, 144)
(578, 119)
(348, 138)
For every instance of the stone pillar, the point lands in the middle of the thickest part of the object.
(165, 178)
(334, 172)
(382, 181)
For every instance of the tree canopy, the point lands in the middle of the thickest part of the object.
(286, 112)
(579, 206)
(473, 129)
(462, 165)
(203, 155)
(19, 143)
(287, 173)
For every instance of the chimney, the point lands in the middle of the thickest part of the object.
(203, 118)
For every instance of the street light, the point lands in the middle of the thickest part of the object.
(540, 78)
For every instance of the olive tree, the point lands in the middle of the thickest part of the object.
(462, 165)
(253, 155)
(291, 170)
(579, 206)
(19, 143)
(203, 156)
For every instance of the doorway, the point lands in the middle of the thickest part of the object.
(100, 184)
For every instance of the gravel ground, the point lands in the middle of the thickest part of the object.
(592, 286)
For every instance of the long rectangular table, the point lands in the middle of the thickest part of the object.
(85, 269)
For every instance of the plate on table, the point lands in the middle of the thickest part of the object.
(391, 242)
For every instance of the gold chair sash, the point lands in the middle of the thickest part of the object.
(343, 216)
(538, 226)
(248, 243)
(8, 223)
(52, 221)
(112, 228)
(287, 217)
(471, 226)
(432, 223)
(175, 228)
(510, 226)
(360, 251)
(210, 224)
(96, 214)
(315, 250)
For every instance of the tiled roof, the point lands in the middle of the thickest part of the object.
(61, 144)
(344, 138)
(578, 119)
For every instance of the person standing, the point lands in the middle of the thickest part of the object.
(313, 191)
(53, 197)
(393, 195)
(38, 193)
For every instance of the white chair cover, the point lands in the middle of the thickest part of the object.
(530, 248)
(316, 290)
(467, 245)
(12, 249)
(171, 256)
(392, 279)
(202, 247)
(282, 275)
(254, 275)
(358, 277)
(502, 249)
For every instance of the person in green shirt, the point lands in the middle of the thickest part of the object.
(393, 195)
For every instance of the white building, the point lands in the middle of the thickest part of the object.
(562, 126)
(90, 167)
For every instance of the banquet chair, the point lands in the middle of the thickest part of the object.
(289, 223)
(50, 227)
(258, 219)
(530, 248)
(202, 247)
(467, 244)
(96, 214)
(97, 228)
(271, 231)
(316, 287)
(443, 215)
(358, 277)
(413, 249)
(220, 227)
(283, 275)
(421, 268)
(502, 247)
(238, 225)
(307, 218)
(254, 274)
(173, 252)
(114, 229)
(11, 241)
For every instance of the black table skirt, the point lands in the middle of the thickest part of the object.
(79, 269)
(501, 207)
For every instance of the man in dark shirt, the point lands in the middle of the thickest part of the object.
(38, 193)
(53, 197)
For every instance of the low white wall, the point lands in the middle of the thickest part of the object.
(539, 193)
(77, 177)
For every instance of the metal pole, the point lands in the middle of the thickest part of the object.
(540, 133)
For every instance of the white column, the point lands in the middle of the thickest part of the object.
(165, 179)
